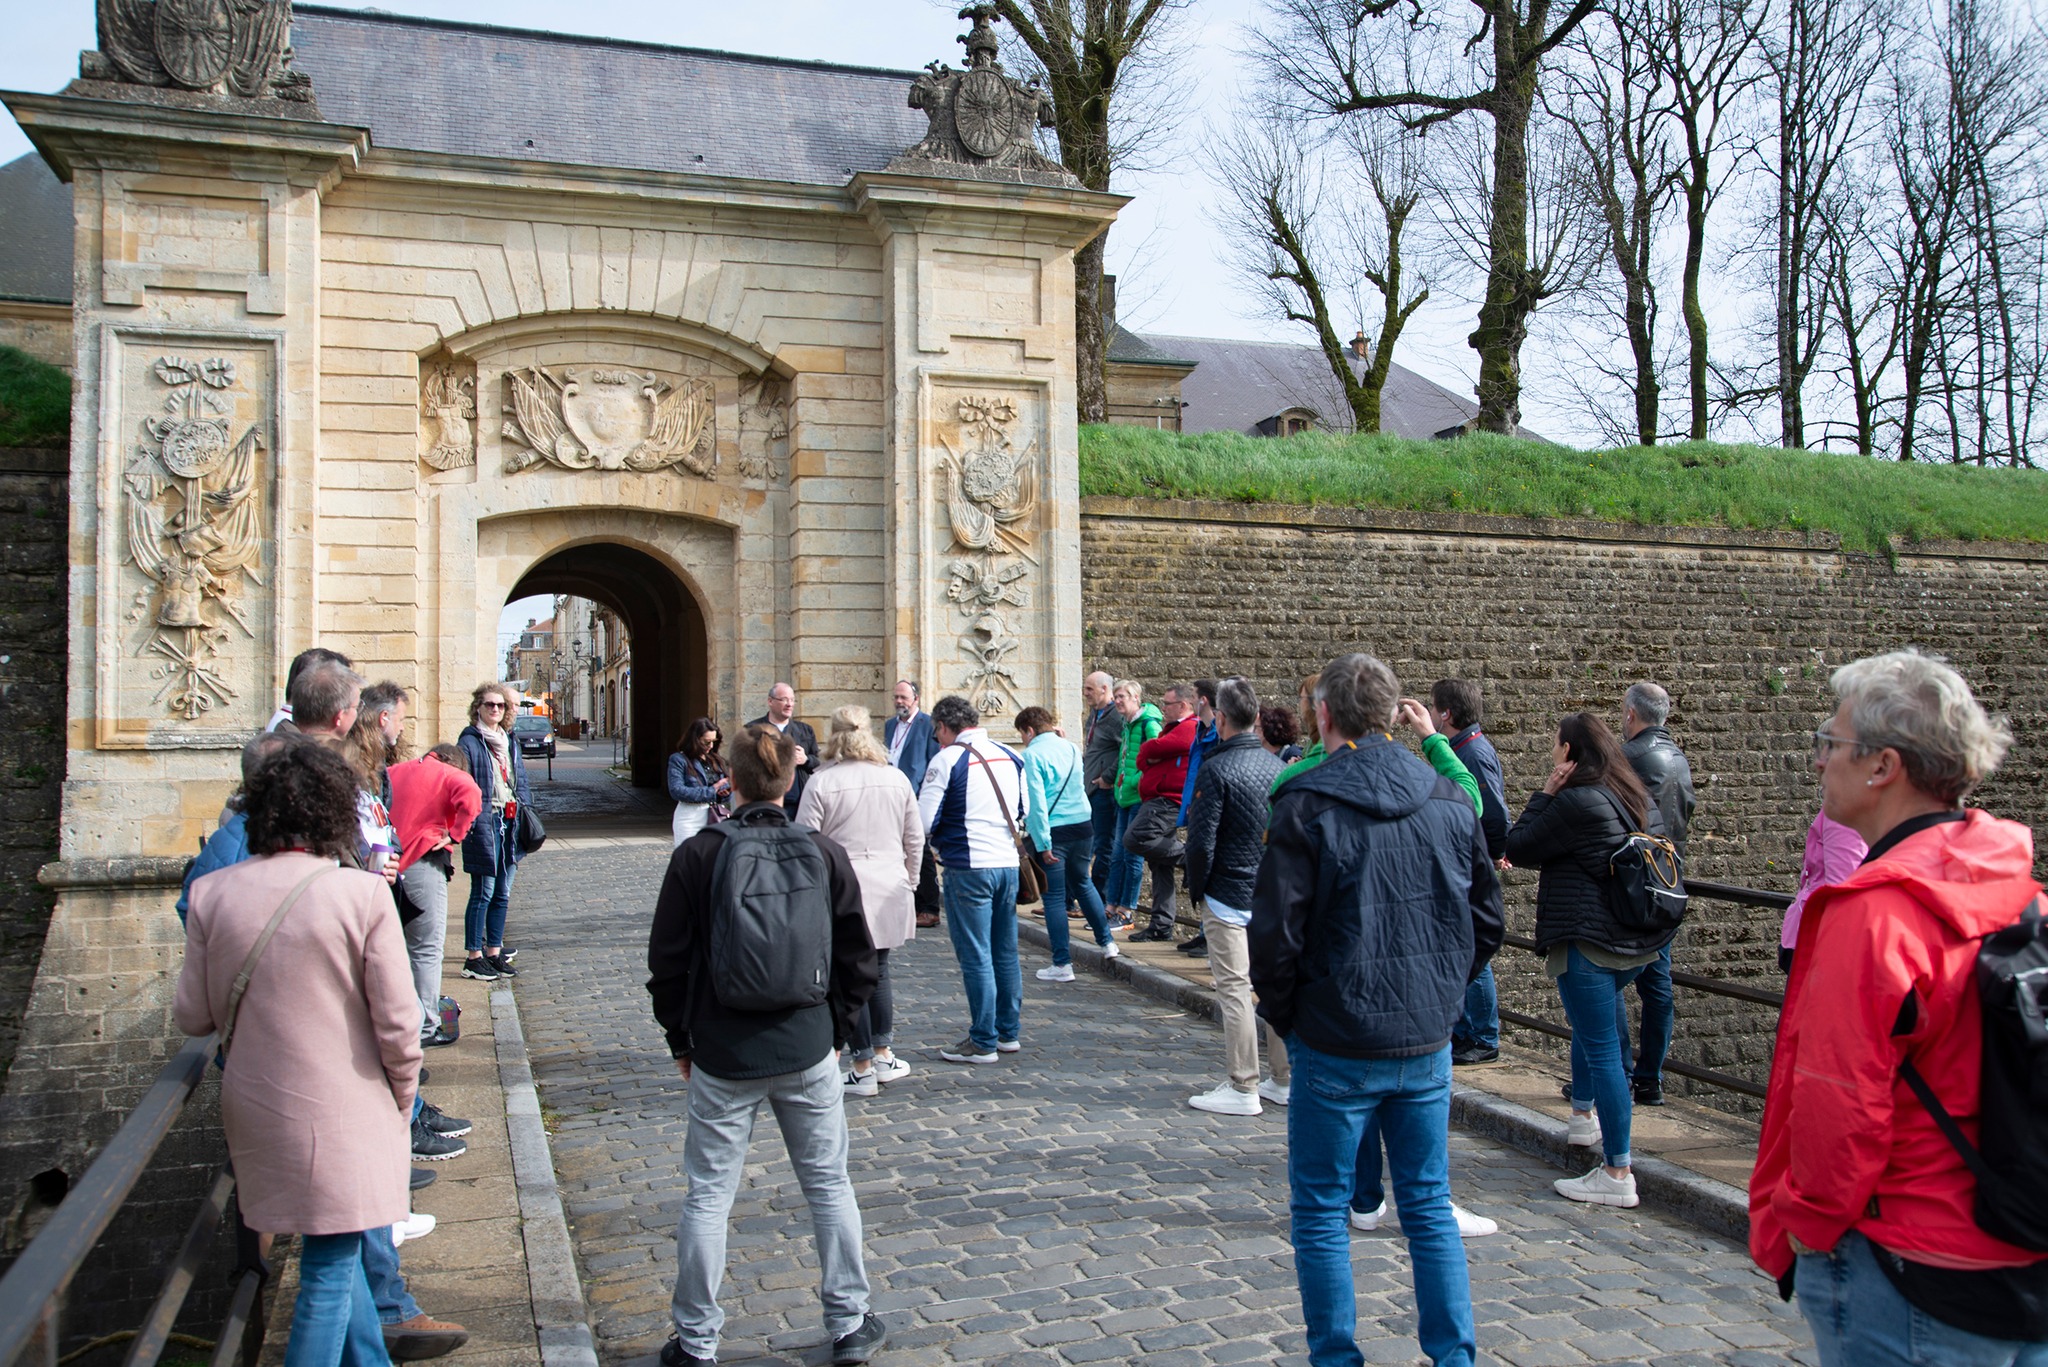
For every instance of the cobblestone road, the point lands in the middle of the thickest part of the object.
(1062, 1207)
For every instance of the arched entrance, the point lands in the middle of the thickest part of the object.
(671, 662)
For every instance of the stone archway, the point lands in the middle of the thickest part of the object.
(671, 681)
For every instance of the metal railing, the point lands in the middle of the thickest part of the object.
(1713, 987)
(33, 1291)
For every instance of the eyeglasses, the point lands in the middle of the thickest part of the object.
(1824, 742)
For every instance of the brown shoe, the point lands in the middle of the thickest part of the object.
(927, 919)
(420, 1338)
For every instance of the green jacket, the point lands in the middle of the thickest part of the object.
(1435, 748)
(1139, 729)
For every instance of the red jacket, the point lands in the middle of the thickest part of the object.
(429, 801)
(1845, 1144)
(1163, 761)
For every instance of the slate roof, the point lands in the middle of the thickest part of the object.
(1128, 348)
(430, 85)
(1237, 385)
(35, 232)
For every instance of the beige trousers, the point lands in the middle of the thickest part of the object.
(1231, 968)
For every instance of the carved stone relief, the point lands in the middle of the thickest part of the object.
(448, 414)
(988, 486)
(221, 47)
(764, 430)
(195, 521)
(592, 418)
(983, 121)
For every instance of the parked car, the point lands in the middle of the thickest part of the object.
(536, 735)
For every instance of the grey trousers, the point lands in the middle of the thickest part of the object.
(426, 937)
(810, 1109)
(1230, 967)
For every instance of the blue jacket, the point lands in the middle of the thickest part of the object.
(1057, 795)
(682, 770)
(1471, 746)
(1376, 903)
(228, 845)
(1205, 741)
(480, 846)
(918, 749)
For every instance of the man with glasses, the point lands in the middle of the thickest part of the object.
(781, 715)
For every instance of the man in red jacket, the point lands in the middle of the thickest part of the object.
(1857, 1199)
(1162, 774)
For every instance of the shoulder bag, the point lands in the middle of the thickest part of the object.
(241, 985)
(1030, 877)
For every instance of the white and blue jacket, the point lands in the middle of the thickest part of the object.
(961, 808)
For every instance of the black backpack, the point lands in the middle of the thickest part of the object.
(2010, 1158)
(771, 918)
(1645, 878)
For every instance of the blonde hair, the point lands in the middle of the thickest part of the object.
(1130, 686)
(851, 739)
(484, 690)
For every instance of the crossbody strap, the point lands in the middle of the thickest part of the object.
(986, 768)
(241, 985)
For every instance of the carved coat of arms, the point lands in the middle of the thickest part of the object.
(194, 530)
(593, 419)
(236, 47)
(983, 122)
(990, 489)
(448, 402)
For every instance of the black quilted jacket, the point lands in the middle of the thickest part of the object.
(1227, 820)
(1570, 838)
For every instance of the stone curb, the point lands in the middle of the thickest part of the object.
(1700, 1201)
(559, 1318)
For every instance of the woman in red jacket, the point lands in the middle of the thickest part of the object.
(1857, 1199)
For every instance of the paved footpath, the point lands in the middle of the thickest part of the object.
(1064, 1206)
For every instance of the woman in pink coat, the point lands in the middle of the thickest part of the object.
(866, 804)
(325, 1056)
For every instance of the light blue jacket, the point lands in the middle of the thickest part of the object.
(1052, 768)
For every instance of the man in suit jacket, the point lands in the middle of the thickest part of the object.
(782, 716)
(911, 748)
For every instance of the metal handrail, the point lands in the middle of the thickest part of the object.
(34, 1287)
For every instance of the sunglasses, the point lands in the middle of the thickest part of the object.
(492, 707)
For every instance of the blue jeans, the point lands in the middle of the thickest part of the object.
(1126, 870)
(334, 1321)
(1335, 1102)
(380, 1265)
(1102, 810)
(1479, 1027)
(1859, 1319)
(1592, 1002)
(1659, 1017)
(483, 920)
(1072, 853)
(981, 917)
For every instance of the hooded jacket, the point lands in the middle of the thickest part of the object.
(1570, 837)
(1376, 903)
(1137, 730)
(1845, 1143)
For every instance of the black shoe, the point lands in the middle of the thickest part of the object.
(423, 1077)
(441, 1123)
(439, 1039)
(429, 1147)
(1199, 945)
(423, 1177)
(507, 953)
(478, 967)
(1649, 1093)
(1565, 1091)
(1473, 1053)
(500, 967)
(672, 1355)
(860, 1345)
(1144, 937)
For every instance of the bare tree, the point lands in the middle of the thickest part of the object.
(1086, 51)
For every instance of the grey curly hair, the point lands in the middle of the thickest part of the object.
(1918, 705)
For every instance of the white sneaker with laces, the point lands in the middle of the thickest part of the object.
(1225, 1099)
(862, 1084)
(1472, 1226)
(1276, 1092)
(1583, 1130)
(891, 1068)
(1369, 1220)
(1110, 951)
(1008, 1046)
(1056, 973)
(1597, 1188)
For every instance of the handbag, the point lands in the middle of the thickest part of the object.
(241, 983)
(527, 829)
(1030, 877)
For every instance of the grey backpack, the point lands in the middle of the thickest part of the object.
(771, 918)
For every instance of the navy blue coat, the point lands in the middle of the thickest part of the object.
(480, 846)
(1376, 903)
(918, 751)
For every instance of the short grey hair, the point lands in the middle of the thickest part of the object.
(1179, 693)
(1650, 703)
(1361, 693)
(321, 693)
(1918, 705)
(1236, 703)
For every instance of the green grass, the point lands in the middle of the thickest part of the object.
(35, 401)
(1697, 484)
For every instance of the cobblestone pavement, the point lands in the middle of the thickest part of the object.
(583, 790)
(1064, 1206)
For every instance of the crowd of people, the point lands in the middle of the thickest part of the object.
(1349, 907)
(316, 916)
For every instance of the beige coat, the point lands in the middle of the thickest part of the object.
(870, 809)
(317, 1096)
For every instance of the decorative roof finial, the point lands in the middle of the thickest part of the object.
(983, 121)
(980, 41)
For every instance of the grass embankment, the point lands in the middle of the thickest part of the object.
(1697, 484)
(35, 401)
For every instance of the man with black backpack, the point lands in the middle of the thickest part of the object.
(1901, 1183)
(758, 963)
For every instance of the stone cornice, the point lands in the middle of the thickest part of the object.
(1058, 217)
(136, 871)
(82, 131)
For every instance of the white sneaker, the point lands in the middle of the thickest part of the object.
(1276, 1092)
(1583, 1130)
(891, 1068)
(1008, 1046)
(862, 1084)
(1472, 1226)
(1225, 1099)
(1111, 951)
(412, 1227)
(1599, 1189)
(1056, 973)
(1369, 1220)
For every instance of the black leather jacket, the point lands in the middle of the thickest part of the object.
(1570, 837)
(1227, 820)
(1662, 767)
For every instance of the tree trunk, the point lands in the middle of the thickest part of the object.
(1791, 434)
(1504, 316)
(1695, 315)
(1091, 344)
